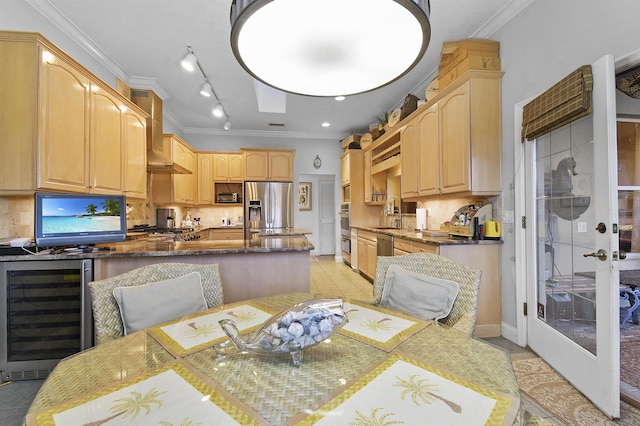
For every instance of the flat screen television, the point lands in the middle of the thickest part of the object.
(79, 219)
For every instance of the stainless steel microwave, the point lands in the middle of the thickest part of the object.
(227, 197)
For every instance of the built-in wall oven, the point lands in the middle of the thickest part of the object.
(345, 232)
(45, 315)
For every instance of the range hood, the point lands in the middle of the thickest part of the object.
(159, 158)
(159, 163)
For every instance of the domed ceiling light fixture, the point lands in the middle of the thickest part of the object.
(329, 47)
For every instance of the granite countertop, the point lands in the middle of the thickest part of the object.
(148, 248)
(423, 238)
(287, 232)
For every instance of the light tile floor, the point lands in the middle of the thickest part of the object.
(328, 277)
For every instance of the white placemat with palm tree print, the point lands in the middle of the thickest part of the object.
(379, 327)
(196, 332)
(401, 390)
(171, 395)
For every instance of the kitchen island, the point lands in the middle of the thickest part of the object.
(248, 268)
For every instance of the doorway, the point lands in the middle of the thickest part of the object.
(320, 215)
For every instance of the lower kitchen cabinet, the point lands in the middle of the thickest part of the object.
(226, 234)
(482, 256)
(367, 254)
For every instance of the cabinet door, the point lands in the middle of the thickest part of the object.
(220, 167)
(205, 179)
(281, 166)
(64, 132)
(106, 151)
(345, 169)
(410, 148)
(256, 165)
(135, 146)
(455, 144)
(183, 184)
(362, 255)
(372, 258)
(429, 158)
(235, 172)
(367, 176)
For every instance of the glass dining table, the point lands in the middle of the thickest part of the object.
(381, 367)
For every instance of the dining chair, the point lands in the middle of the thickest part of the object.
(465, 308)
(107, 319)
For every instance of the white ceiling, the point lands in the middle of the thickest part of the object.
(143, 41)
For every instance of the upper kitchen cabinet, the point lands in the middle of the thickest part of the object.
(204, 181)
(176, 188)
(268, 164)
(135, 152)
(227, 167)
(470, 134)
(420, 155)
(65, 129)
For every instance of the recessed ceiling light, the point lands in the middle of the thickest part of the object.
(325, 124)
(339, 98)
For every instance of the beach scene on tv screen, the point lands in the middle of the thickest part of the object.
(71, 215)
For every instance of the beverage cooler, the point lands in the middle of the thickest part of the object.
(45, 315)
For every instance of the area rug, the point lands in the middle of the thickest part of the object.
(542, 384)
(630, 361)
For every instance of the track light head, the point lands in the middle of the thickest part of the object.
(227, 125)
(206, 89)
(218, 111)
(189, 61)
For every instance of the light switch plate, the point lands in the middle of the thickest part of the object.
(582, 226)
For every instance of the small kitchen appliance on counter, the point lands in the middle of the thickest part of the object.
(492, 230)
(165, 218)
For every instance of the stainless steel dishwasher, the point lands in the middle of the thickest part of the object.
(384, 245)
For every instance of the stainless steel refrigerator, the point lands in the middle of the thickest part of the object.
(268, 206)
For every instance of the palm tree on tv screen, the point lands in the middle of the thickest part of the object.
(91, 209)
(111, 207)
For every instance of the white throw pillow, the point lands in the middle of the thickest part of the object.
(154, 303)
(418, 295)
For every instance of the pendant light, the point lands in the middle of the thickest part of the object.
(329, 47)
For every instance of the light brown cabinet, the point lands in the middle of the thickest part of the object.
(274, 165)
(345, 170)
(470, 135)
(204, 182)
(482, 256)
(226, 234)
(227, 167)
(176, 188)
(135, 152)
(420, 155)
(367, 253)
(69, 131)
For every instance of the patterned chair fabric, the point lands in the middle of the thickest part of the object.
(106, 314)
(465, 309)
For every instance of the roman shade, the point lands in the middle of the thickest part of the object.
(564, 102)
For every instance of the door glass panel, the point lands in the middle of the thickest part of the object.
(629, 185)
(565, 231)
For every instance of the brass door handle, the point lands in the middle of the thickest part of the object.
(600, 254)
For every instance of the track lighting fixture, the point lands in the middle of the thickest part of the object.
(190, 62)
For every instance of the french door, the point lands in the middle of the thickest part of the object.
(572, 247)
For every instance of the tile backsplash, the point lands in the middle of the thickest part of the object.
(16, 217)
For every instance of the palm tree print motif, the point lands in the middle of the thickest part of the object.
(376, 325)
(242, 316)
(185, 422)
(131, 407)
(204, 330)
(424, 391)
(374, 420)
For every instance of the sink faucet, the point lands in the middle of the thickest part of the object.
(390, 210)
